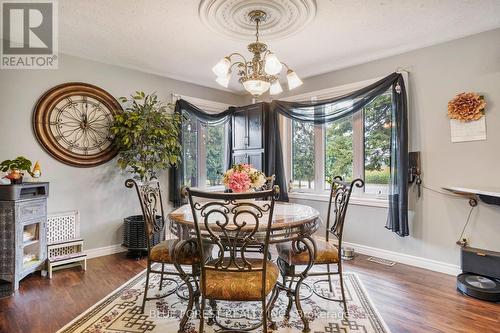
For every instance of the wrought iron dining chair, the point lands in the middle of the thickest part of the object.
(232, 222)
(175, 252)
(326, 252)
(269, 185)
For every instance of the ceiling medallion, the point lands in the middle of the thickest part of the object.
(260, 73)
(231, 17)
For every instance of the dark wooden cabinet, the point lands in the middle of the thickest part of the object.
(255, 133)
(248, 140)
(239, 130)
(256, 159)
(253, 157)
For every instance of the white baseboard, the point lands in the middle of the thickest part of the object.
(104, 251)
(430, 264)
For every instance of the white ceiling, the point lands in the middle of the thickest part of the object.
(167, 37)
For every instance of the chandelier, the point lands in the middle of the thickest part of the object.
(261, 73)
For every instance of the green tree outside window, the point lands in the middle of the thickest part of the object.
(303, 153)
(215, 154)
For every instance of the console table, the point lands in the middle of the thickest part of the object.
(480, 276)
(489, 195)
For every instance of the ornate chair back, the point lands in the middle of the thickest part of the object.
(149, 194)
(340, 194)
(233, 222)
(269, 182)
(269, 185)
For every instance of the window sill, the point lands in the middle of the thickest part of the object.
(217, 188)
(355, 200)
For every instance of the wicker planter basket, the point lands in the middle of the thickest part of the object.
(134, 235)
(6, 288)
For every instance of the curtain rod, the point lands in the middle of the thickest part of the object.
(402, 70)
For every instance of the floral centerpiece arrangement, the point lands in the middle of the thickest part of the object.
(243, 178)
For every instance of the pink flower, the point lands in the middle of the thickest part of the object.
(239, 182)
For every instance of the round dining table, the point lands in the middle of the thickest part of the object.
(291, 222)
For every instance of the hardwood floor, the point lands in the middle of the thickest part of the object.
(43, 306)
(400, 293)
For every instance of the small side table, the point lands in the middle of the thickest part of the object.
(480, 276)
(23, 217)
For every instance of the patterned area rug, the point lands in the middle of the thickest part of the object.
(120, 311)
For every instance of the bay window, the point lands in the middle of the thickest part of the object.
(204, 148)
(215, 143)
(303, 155)
(356, 146)
(338, 150)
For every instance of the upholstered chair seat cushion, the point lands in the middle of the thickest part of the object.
(164, 251)
(326, 253)
(237, 285)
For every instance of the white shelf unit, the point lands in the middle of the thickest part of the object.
(64, 245)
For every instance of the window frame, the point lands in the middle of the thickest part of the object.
(319, 193)
(320, 153)
(211, 107)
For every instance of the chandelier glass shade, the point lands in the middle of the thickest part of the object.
(293, 80)
(256, 87)
(259, 74)
(275, 88)
(223, 80)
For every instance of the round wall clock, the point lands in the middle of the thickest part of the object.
(71, 121)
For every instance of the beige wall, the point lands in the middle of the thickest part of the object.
(98, 193)
(437, 74)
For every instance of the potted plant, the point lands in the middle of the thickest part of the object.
(15, 168)
(147, 137)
